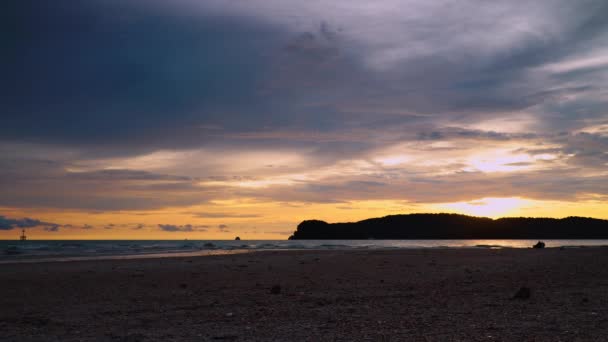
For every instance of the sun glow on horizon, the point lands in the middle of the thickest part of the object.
(254, 218)
(493, 207)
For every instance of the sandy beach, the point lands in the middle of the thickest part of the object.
(381, 295)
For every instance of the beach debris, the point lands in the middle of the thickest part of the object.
(523, 293)
(539, 244)
(229, 314)
(276, 289)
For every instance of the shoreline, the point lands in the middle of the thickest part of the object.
(75, 250)
(219, 252)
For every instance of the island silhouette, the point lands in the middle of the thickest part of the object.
(454, 226)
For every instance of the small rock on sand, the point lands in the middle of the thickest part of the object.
(523, 293)
(539, 244)
(275, 289)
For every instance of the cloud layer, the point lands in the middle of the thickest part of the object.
(143, 105)
(26, 222)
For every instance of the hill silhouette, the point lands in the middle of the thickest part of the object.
(454, 226)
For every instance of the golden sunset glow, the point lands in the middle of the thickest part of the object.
(488, 207)
(253, 219)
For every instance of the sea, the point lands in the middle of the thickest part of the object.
(12, 251)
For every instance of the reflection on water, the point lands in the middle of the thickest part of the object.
(12, 251)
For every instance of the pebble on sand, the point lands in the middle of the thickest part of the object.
(523, 293)
(275, 289)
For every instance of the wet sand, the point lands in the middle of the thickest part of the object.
(396, 295)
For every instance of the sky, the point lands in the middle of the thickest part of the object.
(210, 119)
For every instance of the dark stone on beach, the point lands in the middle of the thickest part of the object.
(127, 338)
(275, 289)
(523, 293)
(539, 244)
(226, 337)
(183, 285)
(237, 238)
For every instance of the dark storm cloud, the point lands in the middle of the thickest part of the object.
(151, 66)
(125, 77)
(105, 74)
